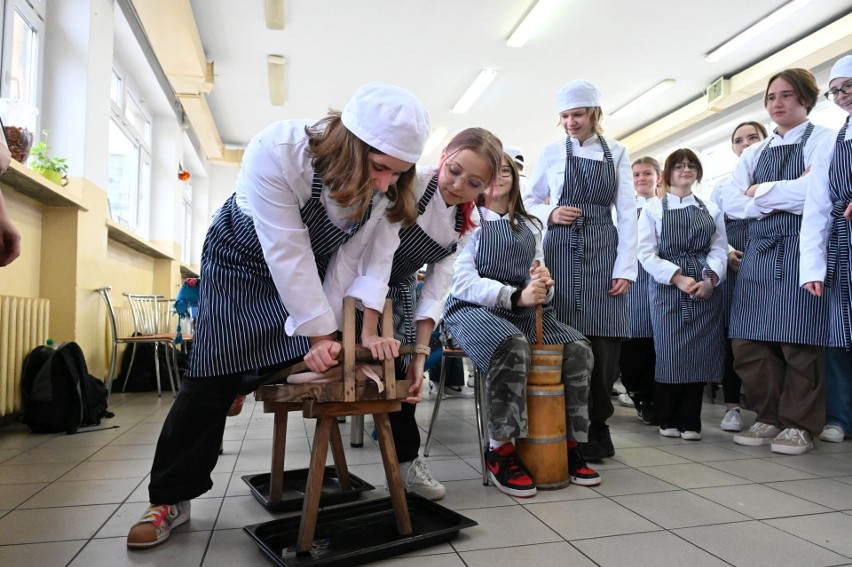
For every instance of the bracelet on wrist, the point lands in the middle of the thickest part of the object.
(422, 349)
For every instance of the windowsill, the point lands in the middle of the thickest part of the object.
(130, 239)
(188, 271)
(27, 182)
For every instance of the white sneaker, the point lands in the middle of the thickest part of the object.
(625, 400)
(450, 391)
(691, 435)
(732, 420)
(832, 434)
(757, 435)
(417, 478)
(792, 441)
(669, 431)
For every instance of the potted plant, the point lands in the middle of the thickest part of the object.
(55, 169)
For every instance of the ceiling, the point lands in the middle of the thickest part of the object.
(436, 48)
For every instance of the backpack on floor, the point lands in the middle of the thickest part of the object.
(58, 392)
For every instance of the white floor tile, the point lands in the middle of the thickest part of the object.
(654, 549)
(679, 509)
(560, 554)
(694, 475)
(40, 554)
(759, 501)
(582, 519)
(53, 524)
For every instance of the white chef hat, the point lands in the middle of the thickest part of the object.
(389, 119)
(842, 68)
(577, 94)
(515, 153)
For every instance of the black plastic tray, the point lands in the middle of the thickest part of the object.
(358, 533)
(294, 489)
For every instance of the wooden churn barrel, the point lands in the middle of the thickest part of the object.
(545, 452)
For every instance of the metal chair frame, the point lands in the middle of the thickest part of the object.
(148, 328)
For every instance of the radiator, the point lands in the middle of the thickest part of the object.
(23, 326)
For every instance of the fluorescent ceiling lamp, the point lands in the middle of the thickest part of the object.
(274, 12)
(275, 70)
(640, 100)
(435, 138)
(531, 22)
(473, 92)
(756, 29)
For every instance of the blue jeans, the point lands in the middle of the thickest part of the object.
(838, 388)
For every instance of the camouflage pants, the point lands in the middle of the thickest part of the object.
(506, 389)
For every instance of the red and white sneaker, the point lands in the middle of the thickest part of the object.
(579, 472)
(157, 524)
(508, 473)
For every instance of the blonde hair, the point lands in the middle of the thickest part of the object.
(595, 117)
(340, 157)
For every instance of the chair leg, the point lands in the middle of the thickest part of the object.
(112, 365)
(480, 423)
(129, 367)
(356, 431)
(441, 381)
(167, 347)
(157, 367)
(391, 463)
(339, 457)
(279, 443)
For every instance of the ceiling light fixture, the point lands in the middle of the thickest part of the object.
(531, 22)
(275, 71)
(754, 30)
(274, 12)
(435, 138)
(640, 100)
(475, 90)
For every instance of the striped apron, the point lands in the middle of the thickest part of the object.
(737, 231)
(688, 337)
(480, 330)
(240, 323)
(416, 248)
(838, 280)
(581, 255)
(639, 306)
(768, 303)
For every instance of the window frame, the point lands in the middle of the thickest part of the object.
(33, 13)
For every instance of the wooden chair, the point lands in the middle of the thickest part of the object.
(325, 403)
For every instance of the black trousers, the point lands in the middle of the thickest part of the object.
(679, 405)
(604, 375)
(637, 362)
(189, 442)
(731, 382)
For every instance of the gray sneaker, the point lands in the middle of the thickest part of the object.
(757, 435)
(417, 478)
(792, 441)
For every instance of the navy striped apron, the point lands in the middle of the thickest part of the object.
(838, 280)
(480, 330)
(737, 231)
(240, 323)
(581, 255)
(416, 248)
(638, 304)
(768, 303)
(689, 340)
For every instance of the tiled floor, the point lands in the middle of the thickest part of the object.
(69, 500)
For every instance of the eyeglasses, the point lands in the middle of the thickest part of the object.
(682, 166)
(506, 171)
(454, 171)
(845, 88)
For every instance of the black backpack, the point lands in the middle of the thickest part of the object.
(58, 392)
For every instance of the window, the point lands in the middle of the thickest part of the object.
(23, 36)
(129, 156)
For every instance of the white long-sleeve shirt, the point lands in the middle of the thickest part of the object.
(650, 231)
(784, 195)
(274, 183)
(816, 219)
(362, 267)
(468, 285)
(549, 176)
